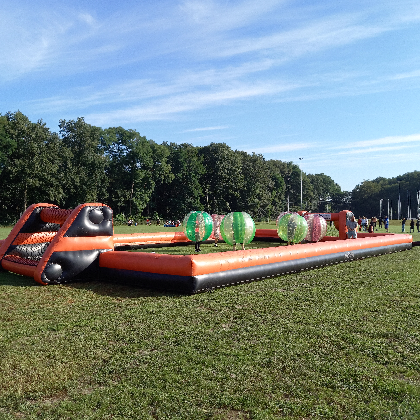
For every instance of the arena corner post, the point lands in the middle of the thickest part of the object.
(342, 226)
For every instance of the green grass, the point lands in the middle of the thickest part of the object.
(210, 248)
(337, 342)
(4, 231)
(395, 227)
(206, 248)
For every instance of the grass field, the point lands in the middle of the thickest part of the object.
(337, 342)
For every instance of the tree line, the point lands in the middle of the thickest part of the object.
(139, 178)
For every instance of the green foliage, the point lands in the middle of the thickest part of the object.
(136, 165)
(178, 194)
(30, 172)
(278, 189)
(119, 219)
(137, 177)
(223, 180)
(327, 195)
(292, 175)
(367, 195)
(256, 195)
(83, 163)
(7, 144)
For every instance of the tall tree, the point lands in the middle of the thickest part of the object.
(176, 196)
(223, 180)
(136, 165)
(84, 162)
(30, 173)
(7, 144)
(255, 197)
(291, 174)
(326, 193)
(277, 203)
(365, 198)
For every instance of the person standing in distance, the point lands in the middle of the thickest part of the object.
(351, 228)
(386, 223)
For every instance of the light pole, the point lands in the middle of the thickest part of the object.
(399, 201)
(418, 204)
(380, 207)
(301, 188)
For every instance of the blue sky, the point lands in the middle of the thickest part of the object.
(336, 83)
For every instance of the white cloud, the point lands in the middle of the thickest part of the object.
(148, 99)
(70, 39)
(88, 18)
(280, 148)
(36, 39)
(311, 37)
(384, 143)
(219, 127)
(407, 75)
(213, 16)
(167, 107)
(370, 150)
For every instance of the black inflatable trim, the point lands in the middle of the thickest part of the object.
(154, 281)
(206, 282)
(92, 221)
(229, 278)
(66, 266)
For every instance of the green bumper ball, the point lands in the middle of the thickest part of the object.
(198, 226)
(292, 228)
(237, 228)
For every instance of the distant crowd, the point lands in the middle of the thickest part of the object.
(413, 222)
(366, 225)
(168, 223)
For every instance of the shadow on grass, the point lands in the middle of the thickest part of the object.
(11, 279)
(104, 288)
(118, 290)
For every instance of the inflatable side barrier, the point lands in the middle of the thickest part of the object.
(199, 273)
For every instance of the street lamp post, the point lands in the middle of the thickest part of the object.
(418, 204)
(399, 201)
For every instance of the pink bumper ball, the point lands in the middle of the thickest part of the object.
(317, 227)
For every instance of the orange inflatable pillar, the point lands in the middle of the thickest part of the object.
(342, 227)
